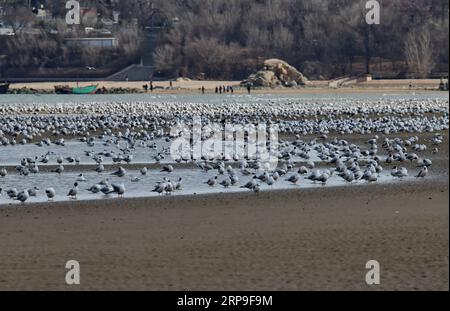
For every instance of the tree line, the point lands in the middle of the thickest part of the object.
(228, 39)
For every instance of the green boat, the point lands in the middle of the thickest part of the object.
(65, 89)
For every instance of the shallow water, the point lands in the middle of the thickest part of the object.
(142, 154)
(194, 182)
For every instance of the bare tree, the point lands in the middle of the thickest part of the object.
(418, 52)
(353, 18)
(18, 18)
(231, 38)
(166, 59)
(130, 40)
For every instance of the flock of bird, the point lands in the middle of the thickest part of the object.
(147, 120)
(130, 126)
(337, 158)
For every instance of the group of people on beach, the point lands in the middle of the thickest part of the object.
(148, 87)
(224, 89)
(227, 89)
(221, 89)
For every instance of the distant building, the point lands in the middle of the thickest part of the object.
(42, 14)
(95, 42)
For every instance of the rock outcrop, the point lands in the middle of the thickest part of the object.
(276, 73)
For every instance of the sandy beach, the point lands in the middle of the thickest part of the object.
(316, 239)
(183, 86)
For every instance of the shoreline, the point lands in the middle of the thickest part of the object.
(67, 203)
(194, 86)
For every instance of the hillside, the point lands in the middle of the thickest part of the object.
(230, 39)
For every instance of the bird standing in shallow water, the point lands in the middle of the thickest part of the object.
(120, 172)
(423, 172)
(50, 192)
(294, 179)
(73, 192)
(256, 188)
(22, 196)
(212, 181)
(159, 188)
(167, 169)
(251, 184)
(226, 182)
(95, 188)
(178, 184)
(119, 189)
(100, 168)
(59, 169)
(402, 172)
(12, 193)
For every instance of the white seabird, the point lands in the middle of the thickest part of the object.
(12, 193)
(95, 188)
(212, 181)
(423, 172)
(120, 172)
(294, 178)
(81, 178)
(119, 189)
(50, 192)
(251, 184)
(144, 171)
(100, 168)
(59, 169)
(73, 192)
(22, 196)
(167, 168)
(226, 182)
(178, 184)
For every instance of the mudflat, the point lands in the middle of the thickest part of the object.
(302, 239)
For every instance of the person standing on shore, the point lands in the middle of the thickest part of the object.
(151, 86)
(220, 89)
(249, 89)
(203, 89)
(217, 90)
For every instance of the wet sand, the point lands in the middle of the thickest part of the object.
(315, 239)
